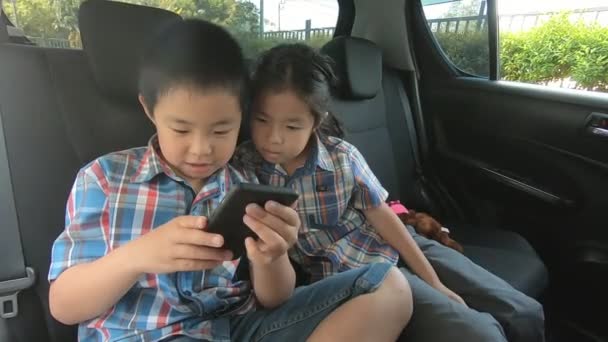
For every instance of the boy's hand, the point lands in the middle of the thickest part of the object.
(277, 228)
(179, 245)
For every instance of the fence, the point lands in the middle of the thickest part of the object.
(462, 24)
(304, 34)
(51, 42)
(520, 22)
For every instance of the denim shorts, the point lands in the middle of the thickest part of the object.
(297, 318)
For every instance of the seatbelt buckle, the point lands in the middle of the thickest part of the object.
(9, 289)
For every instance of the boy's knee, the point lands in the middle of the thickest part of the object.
(397, 292)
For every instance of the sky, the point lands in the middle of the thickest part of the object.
(323, 13)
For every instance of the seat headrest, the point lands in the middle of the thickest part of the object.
(358, 67)
(113, 34)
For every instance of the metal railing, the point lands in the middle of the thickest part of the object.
(53, 43)
(304, 34)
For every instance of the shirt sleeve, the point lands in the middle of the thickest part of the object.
(85, 237)
(367, 193)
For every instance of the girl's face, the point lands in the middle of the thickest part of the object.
(282, 125)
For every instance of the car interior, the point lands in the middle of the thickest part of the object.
(510, 168)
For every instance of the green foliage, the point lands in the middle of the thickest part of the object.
(543, 54)
(57, 19)
(556, 50)
(469, 51)
(39, 18)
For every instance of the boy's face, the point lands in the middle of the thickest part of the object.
(197, 130)
(281, 128)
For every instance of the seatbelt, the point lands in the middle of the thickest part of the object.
(14, 275)
(411, 127)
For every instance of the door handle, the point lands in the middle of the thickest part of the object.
(597, 125)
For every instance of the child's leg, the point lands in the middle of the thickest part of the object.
(521, 317)
(371, 303)
(436, 317)
(377, 316)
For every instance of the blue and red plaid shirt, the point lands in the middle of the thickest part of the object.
(335, 185)
(122, 196)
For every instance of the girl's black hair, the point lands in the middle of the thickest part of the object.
(194, 53)
(307, 72)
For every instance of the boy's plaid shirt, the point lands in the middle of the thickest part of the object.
(118, 198)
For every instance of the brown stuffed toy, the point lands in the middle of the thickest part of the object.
(425, 225)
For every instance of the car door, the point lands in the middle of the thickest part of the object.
(516, 104)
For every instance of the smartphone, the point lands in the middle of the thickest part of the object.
(227, 219)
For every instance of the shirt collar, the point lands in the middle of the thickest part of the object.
(152, 164)
(323, 157)
(319, 157)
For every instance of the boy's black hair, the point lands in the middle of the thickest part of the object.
(307, 72)
(194, 53)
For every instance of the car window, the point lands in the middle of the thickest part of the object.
(461, 31)
(555, 43)
(257, 24)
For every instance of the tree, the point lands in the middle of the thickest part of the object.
(463, 8)
(38, 18)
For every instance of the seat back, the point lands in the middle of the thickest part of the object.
(367, 103)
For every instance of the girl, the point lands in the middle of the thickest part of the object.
(296, 142)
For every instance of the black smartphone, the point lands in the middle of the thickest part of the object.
(227, 218)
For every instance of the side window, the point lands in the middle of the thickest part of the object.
(561, 44)
(45, 23)
(555, 43)
(257, 24)
(460, 27)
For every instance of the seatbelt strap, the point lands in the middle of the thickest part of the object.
(14, 275)
(411, 127)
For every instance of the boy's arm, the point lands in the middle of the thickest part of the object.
(390, 227)
(88, 277)
(272, 274)
(85, 283)
(88, 290)
(274, 282)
